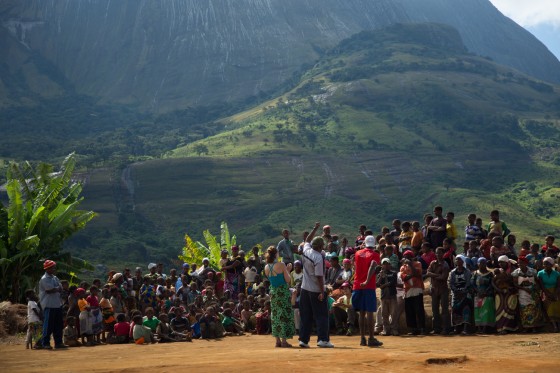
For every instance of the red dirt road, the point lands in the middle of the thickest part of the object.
(512, 353)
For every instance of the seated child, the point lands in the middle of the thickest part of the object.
(141, 334)
(263, 318)
(210, 325)
(247, 317)
(230, 324)
(121, 330)
(150, 320)
(164, 332)
(344, 314)
(180, 327)
(70, 333)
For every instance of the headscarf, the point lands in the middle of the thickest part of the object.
(503, 258)
(408, 253)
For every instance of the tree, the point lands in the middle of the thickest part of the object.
(42, 212)
(201, 149)
(193, 252)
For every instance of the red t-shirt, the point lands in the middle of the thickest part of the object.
(122, 328)
(554, 249)
(429, 257)
(362, 261)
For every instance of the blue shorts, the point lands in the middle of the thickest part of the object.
(364, 300)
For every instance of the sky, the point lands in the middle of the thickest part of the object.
(539, 17)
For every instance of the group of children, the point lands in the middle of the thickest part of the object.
(204, 302)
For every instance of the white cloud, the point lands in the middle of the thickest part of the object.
(531, 12)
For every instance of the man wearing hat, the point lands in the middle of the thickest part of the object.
(364, 299)
(49, 294)
(185, 273)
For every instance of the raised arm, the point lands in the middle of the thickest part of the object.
(312, 234)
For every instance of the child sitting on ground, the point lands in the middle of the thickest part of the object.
(180, 326)
(142, 334)
(163, 330)
(150, 320)
(210, 325)
(70, 333)
(263, 318)
(34, 323)
(230, 324)
(121, 330)
(247, 317)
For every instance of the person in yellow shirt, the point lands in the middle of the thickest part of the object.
(451, 229)
(417, 236)
(405, 238)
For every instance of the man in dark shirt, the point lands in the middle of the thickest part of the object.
(438, 272)
(437, 228)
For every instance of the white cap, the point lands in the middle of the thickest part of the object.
(152, 265)
(369, 241)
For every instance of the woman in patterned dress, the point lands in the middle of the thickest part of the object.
(484, 311)
(525, 279)
(506, 297)
(282, 316)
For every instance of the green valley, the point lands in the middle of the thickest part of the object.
(384, 125)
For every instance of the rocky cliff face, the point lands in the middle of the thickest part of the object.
(164, 55)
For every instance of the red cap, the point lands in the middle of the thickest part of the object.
(48, 264)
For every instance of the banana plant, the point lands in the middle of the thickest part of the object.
(42, 212)
(194, 252)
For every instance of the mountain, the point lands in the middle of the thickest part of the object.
(386, 124)
(161, 56)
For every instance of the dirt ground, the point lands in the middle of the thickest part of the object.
(250, 353)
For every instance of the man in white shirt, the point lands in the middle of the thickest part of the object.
(313, 302)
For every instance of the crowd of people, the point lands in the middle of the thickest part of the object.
(325, 284)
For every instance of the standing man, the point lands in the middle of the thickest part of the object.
(49, 294)
(313, 302)
(437, 229)
(438, 272)
(286, 248)
(364, 299)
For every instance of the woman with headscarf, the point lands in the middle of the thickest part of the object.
(484, 312)
(459, 281)
(506, 297)
(549, 278)
(525, 280)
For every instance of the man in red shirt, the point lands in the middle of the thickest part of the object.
(364, 299)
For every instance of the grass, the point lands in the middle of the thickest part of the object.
(370, 134)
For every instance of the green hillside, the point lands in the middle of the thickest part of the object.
(385, 125)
